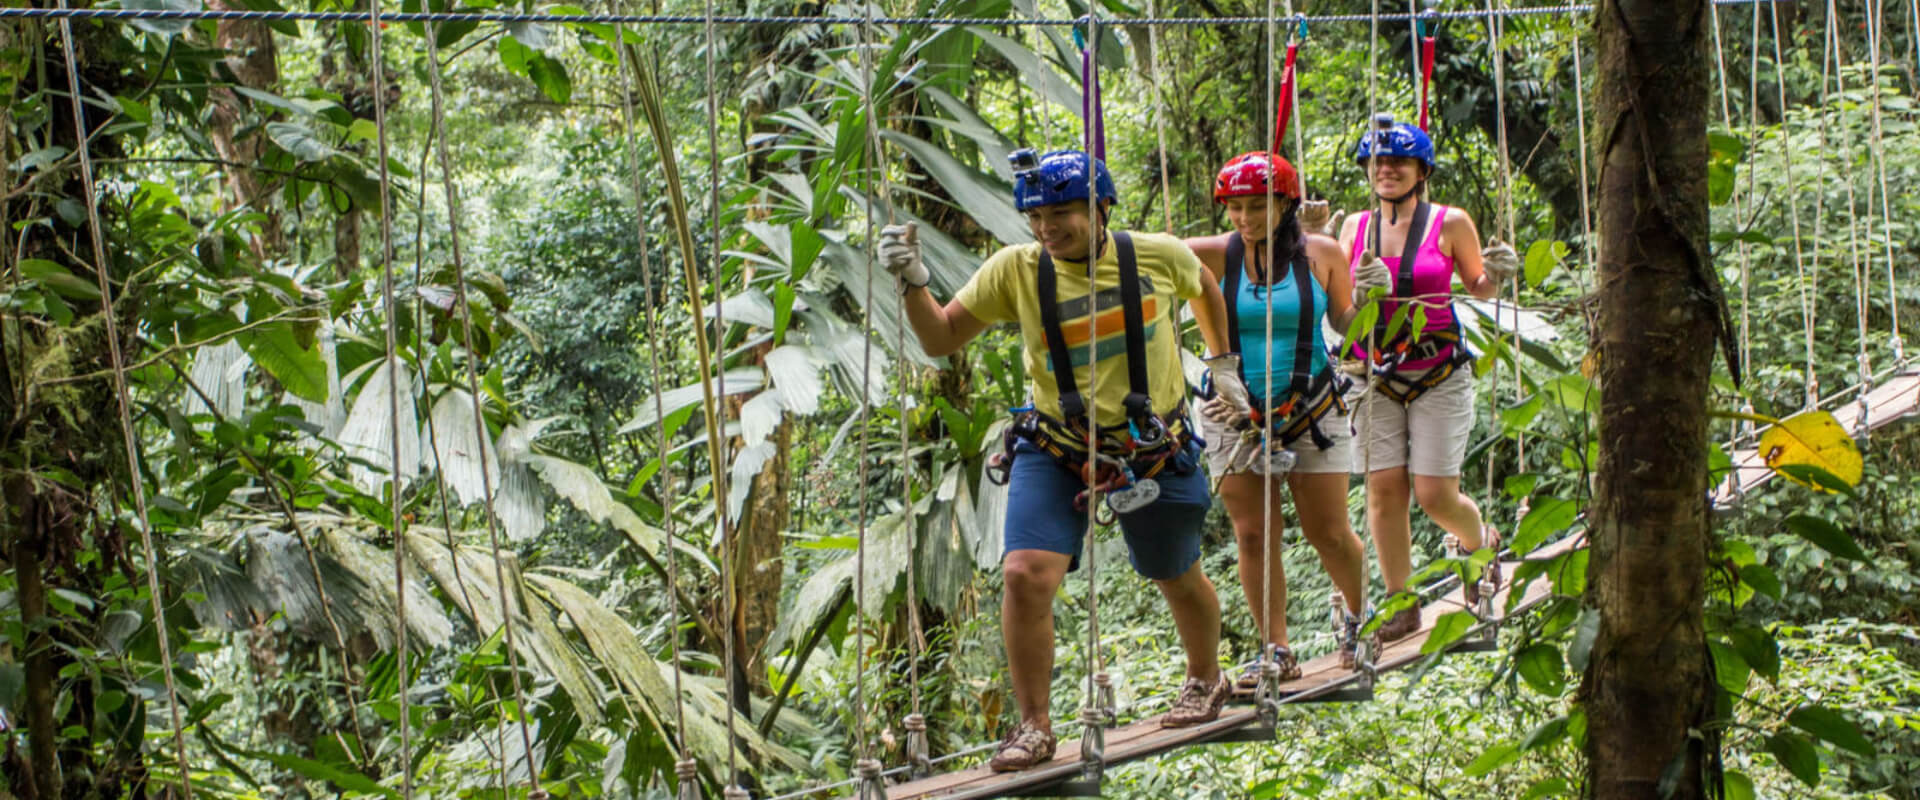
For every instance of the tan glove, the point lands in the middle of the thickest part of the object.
(1501, 262)
(1315, 216)
(899, 252)
(1371, 274)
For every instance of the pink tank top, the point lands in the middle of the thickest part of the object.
(1432, 278)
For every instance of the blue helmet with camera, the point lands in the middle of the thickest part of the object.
(1057, 177)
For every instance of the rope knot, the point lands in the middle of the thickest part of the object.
(867, 768)
(688, 769)
(915, 722)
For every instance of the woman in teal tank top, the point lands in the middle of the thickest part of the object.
(1271, 269)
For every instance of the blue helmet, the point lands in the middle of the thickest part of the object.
(1389, 138)
(1057, 177)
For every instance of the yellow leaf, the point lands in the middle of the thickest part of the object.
(1590, 364)
(1811, 439)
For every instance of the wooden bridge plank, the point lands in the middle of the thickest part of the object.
(1145, 738)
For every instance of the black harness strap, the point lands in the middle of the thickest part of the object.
(1139, 403)
(1409, 252)
(1302, 384)
(1073, 405)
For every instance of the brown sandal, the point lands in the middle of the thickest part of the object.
(1025, 747)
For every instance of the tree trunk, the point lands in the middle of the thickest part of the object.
(1648, 680)
(250, 57)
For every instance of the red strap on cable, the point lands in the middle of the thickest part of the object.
(1426, 78)
(1283, 105)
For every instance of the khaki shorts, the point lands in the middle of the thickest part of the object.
(1427, 436)
(1311, 459)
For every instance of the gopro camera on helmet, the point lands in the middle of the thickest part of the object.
(1024, 160)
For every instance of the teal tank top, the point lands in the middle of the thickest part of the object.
(1260, 356)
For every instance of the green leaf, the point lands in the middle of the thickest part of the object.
(1518, 486)
(1761, 579)
(40, 158)
(163, 27)
(1542, 257)
(1826, 535)
(1829, 726)
(341, 776)
(1549, 515)
(531, 34)
(983, 197)
(58, 278)
(446, 33)
(300, 140)
(1546, 734)
(1447, 630)
(12, 677)
(1797, 755)
(1540, 666)
(1584, 632)
(1758, 648)
(1730, 670)
(1738, 785)
(1491, 759)
(551, 76)
(1548, 787)
(297, 368)
(513, 54)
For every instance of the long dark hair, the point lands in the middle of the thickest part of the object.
(1288, 243)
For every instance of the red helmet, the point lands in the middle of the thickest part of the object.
(1246, 174)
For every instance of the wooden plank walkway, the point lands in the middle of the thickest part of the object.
(1887, 403)
(1144, 738)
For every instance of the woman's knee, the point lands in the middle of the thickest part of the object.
(1437, 494)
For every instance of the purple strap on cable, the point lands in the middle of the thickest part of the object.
(1090, 106)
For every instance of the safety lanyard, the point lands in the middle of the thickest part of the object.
(1300, 379)
(1073, 405)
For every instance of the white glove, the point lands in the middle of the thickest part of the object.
(1371, 274)
(899, 248)
(1317, 217)
(1500, 260)
(1230, 402)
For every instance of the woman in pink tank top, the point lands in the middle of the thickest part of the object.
(1413, 417)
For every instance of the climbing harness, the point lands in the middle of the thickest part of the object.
(1128, 456)
(1309, 396)
(1408, 345)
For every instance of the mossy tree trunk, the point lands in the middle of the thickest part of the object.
(1648, 682)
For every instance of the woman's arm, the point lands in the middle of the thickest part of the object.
(1460, 239)
(1210, 308)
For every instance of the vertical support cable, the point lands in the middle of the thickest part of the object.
(1864, 359)
(452, 194)
(716, 426)
(122, 404)
(865, 767)
(1793, 209)
(396, 522)
(1874, 10)
(1160, 113)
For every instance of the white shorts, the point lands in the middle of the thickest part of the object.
(1427, 436)
(1310, 459)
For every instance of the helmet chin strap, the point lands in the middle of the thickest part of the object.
(1393, 203)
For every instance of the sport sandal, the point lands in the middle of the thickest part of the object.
(1025, 747)
(1249, 681)
(1199, 702)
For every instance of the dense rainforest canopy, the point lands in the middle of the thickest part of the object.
(427, 494)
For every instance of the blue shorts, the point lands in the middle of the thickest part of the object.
(1163, 539)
